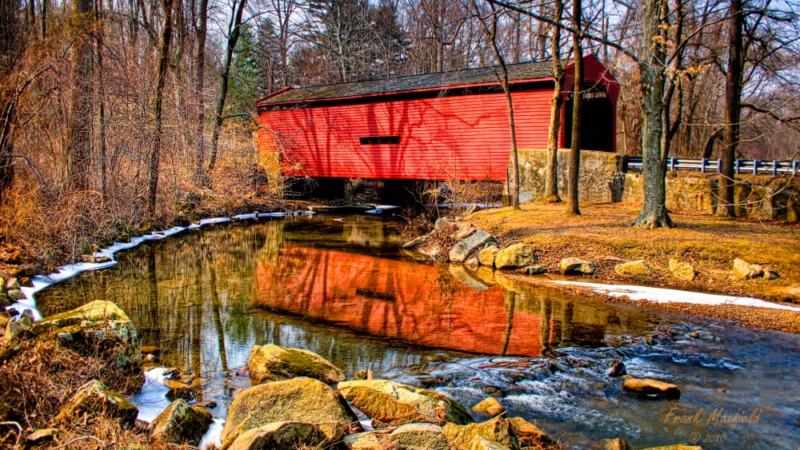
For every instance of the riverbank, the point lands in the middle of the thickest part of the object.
(708, 244)
(32, 244)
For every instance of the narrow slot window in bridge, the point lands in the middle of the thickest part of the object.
(375, 140)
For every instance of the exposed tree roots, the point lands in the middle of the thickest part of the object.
(650, 221)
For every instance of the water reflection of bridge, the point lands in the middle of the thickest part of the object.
(426, 306)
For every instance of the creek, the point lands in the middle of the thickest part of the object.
(339, 286)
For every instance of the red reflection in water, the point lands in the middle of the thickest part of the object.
(400, 300)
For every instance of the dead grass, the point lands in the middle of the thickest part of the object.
(707, 242)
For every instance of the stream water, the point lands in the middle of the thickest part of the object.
(339, 286)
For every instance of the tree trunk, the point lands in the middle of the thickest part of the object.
(233, 36)
(101, 119)
(514, 188)
(654, 212)
(200, 62)
(577, 106)
(733, 107)
(80, 121)
(11, 43)
(556, 104)
(163, 55)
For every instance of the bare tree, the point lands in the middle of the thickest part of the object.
(80, 124)
(556, 107)
(733, 99)
(201, 28)
(489, 25)
(11, 48)
(234, 31)
(155, 155)
(573, 171)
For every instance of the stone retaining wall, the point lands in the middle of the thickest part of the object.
(598, 173)
(603, 179)
(762, 197)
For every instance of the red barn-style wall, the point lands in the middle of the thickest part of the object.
(435, 136)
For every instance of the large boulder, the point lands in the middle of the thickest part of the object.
(418, 436)
(497, 430)
(464, 248)
(99, 316)
(94, 399)
(529, 435)
(487, 256)
(650, 388)
(273, 363)
(281, 436)
(576, 265)
(513, 256)
(180, 423)
(681, 270)
(300, 399)
(390, 404)
(633, 269)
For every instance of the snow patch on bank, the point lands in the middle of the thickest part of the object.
(68, 271)
(661, 295)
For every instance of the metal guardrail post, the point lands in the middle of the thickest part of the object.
(737, 164)
(703, 165)
(795, 164)
(719, 165)
(755, 166)
(774, 168)
(672, 163)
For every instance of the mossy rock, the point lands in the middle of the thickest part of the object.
(273, 363)
(180, 423)
(300, 399)
(93, 314)
(390, 404)
(96, 400)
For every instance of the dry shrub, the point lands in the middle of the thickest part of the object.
(412, 224)
(50, 227)
(41, 375)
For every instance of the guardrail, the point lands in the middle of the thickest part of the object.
(752, 166)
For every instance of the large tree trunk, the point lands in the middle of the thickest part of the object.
(556, 105)
(577, 105)
(733, 106)
(654, 212)
(163, 55)
(200, 62)
(233, 38)
(80, 121)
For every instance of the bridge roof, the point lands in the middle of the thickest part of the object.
(409, 83)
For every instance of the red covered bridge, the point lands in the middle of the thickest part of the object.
(435, 126)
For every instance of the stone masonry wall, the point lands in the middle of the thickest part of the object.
(603, 179)
(600, 175)
(763, 197)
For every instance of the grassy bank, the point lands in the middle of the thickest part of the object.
(708, 243)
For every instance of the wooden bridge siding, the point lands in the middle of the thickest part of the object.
(440, 138)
